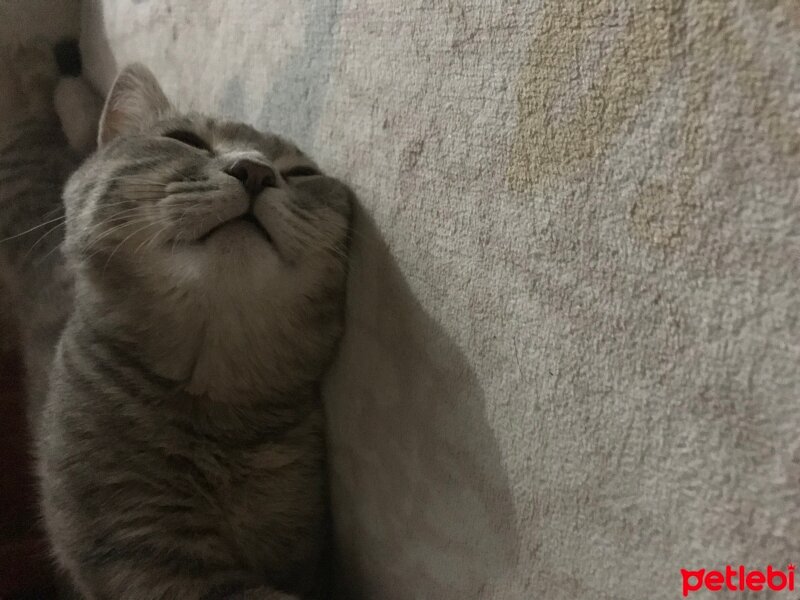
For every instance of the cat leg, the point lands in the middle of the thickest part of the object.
(37, 80)
(78, 108)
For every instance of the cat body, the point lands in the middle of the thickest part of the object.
(181, 446)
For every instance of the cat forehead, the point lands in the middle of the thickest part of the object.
(230, 134)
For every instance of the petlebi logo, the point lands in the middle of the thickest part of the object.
(738, 579)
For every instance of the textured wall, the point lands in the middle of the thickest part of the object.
(573, 357)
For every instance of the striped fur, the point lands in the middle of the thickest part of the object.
(181, 445)
(35, 161)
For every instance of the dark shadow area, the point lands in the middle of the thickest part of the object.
(25, 566)
(421, 500)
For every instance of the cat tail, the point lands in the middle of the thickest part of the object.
(78, 106)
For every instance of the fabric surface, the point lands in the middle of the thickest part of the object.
(571, 365)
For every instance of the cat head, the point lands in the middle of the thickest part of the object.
(184, 200)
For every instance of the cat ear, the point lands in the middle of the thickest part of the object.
(134, 101)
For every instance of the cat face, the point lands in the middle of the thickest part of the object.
(185, 197)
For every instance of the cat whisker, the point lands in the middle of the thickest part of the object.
(134, 179)
(117, 203)
(118, 246)
(152, 239)
(48, 232)
(175, 239)
(333, 249)
(102, 223)
(132, 194)
(57, 210)
(114, 229)
(131, 214)
(146, 198)
(139, 186)
(310, 238)
(48, 253)
(120, 214)
(27, 231)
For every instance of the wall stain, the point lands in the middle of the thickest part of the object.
(576, 101)
(661, 214)
(555, 137)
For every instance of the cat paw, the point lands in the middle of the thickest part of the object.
(78, 108)
(37, 79)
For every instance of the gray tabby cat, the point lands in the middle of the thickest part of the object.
(181, 446)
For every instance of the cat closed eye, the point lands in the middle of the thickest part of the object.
(300, 171)
(189, 138)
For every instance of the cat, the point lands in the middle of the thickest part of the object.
(197, 298)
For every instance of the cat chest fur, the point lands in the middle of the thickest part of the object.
(201, 485)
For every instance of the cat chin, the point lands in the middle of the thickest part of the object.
(236, 258)
(237, 241)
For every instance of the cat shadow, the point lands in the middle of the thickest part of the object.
(421, 500)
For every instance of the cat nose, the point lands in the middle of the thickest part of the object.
(254, 175)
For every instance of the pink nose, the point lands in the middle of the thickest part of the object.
(254, 175)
